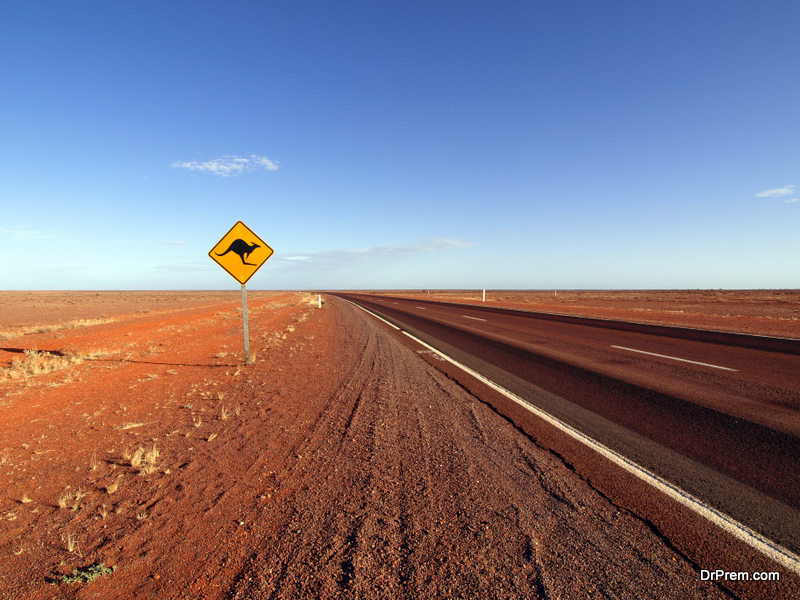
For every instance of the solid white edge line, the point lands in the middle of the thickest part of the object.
(475, 318)
(754, 539)
(694, 362)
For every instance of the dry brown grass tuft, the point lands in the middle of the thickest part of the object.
(64, 498)
(137, 458)
(35, 362)
(150, 459)
(71, 540)
(26, 499)
(113, 486)
(20, 331)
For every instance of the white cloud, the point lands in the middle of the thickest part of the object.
(784, 191)
(228, 166)
(349, 257)
(26, 234)
(793, 200)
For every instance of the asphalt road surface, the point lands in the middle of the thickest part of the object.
(715, 414)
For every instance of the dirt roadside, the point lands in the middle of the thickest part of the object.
(344, 465)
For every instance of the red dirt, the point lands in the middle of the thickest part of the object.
(346, 467)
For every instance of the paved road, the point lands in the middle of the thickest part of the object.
(716, 414)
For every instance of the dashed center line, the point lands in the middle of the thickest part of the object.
(473, 318)
(694, 362)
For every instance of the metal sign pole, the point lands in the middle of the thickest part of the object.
(246, 330)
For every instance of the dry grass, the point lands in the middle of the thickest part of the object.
(150, 460)
(113, 486)
(125, 426)
(71, 540)
(26, 499)
(137, 458)
(21, 331)
(225, 414)
(64, 498)
(211, 437)
(35, 362)
(79, 495)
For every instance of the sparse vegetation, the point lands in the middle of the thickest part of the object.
(88, 574)
(150, 458)
(26, 499)
(211, 437)
(71, 540)
(113, 486)
(35, 362)
(21, 331)
(137, 458)
(125, 426)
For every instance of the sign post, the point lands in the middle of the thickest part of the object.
(246, 328)
(241, 253)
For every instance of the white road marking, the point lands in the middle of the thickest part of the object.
(742, 532)
(473, 318)
(694, 362)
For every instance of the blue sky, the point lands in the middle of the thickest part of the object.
(532, 145)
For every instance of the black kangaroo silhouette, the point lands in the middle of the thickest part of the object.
(242, 248)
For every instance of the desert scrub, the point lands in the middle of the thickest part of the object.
(35, 362)
(68, 497)
(150, 459)
(88, 574)
(19, 332)
(38, 363)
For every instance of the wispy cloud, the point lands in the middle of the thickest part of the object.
(188, 265)
(26, 234)
(229, 166)
(793, 200)
(784, 191)
(343, 258)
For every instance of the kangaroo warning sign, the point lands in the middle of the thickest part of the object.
(241, 252)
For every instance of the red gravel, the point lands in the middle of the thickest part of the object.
(352, 468)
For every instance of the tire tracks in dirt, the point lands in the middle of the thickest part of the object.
(406, 485)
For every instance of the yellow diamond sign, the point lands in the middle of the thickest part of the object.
(241, 252)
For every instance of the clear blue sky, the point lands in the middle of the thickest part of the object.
(521, 144)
